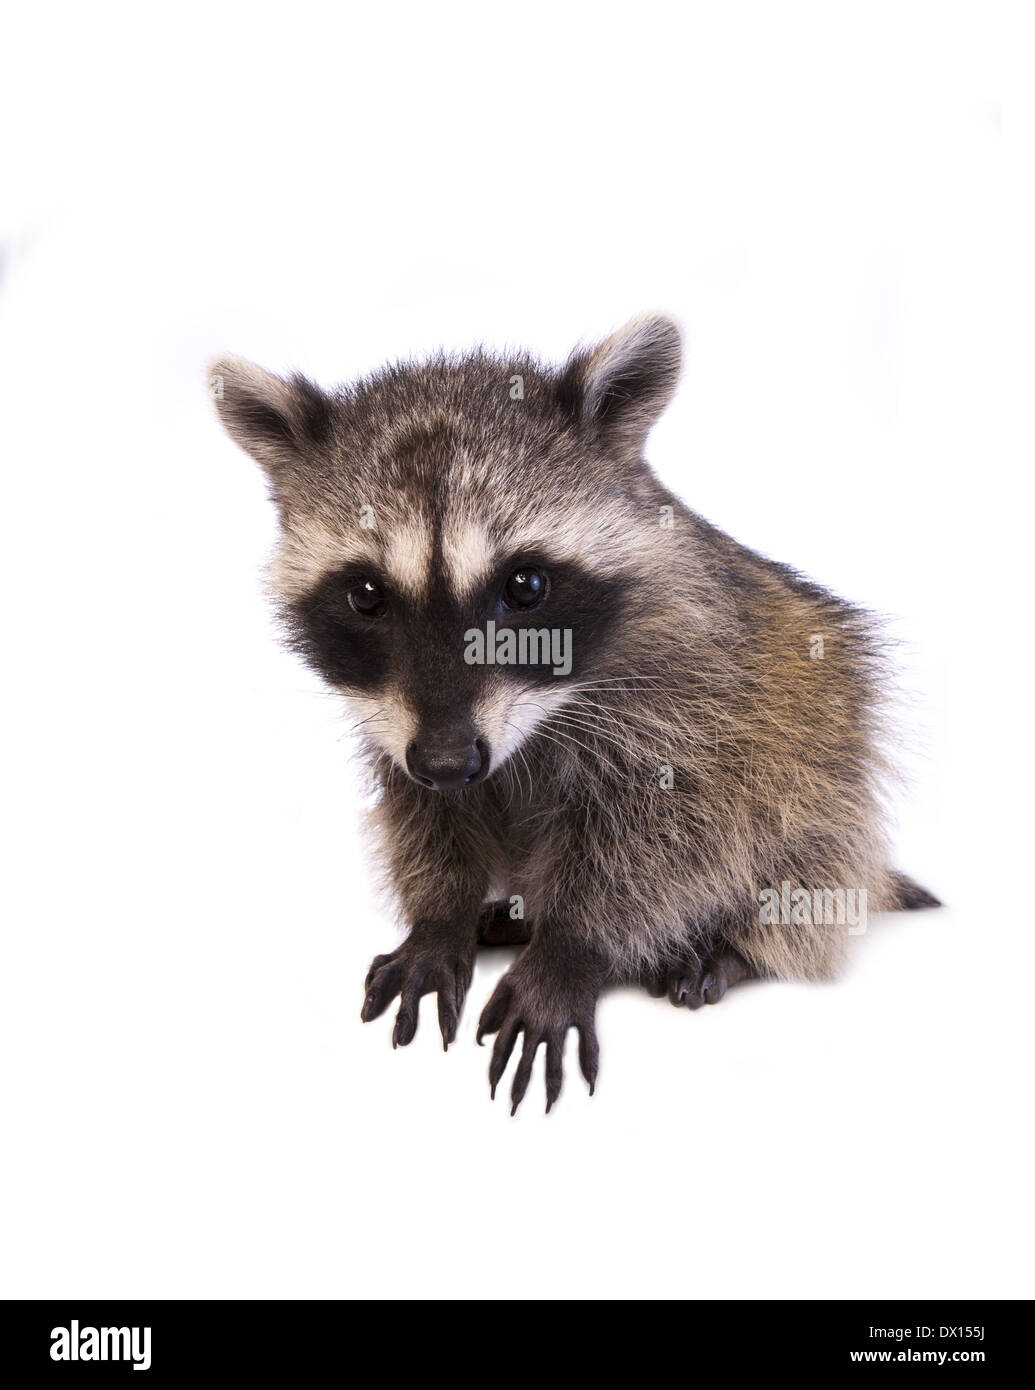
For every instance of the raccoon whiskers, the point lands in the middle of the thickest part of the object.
(631, 750)
(628, 685)
(377, 714)
(624, 676)
(623, 726)
(617, 737)
(634, 743)
(590, 723)
(511, 767)
(570, 738)
(590, 709)
(372, 729)
(531, 785)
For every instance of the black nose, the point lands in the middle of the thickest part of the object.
(441, 767)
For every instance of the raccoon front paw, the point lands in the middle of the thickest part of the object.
(420, 966)
(543, 1004)
(693, 984)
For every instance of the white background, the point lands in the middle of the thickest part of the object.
(836, 200)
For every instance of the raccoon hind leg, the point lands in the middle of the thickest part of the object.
(699, 980)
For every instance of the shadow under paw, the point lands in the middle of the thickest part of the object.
(496, 927)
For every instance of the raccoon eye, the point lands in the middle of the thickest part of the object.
(526, 588)
(367, 599)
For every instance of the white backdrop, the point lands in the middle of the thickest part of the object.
(836, 200)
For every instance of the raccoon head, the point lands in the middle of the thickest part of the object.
(466, 542)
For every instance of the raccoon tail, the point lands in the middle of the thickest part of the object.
(907, 895)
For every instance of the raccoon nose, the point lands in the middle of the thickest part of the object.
(434, 765)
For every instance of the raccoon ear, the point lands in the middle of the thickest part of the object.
(275, 420)
(619, 388)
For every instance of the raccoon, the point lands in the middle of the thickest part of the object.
(597, 725)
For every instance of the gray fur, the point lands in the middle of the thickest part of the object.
(435, 477)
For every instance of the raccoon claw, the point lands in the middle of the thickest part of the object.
(412, 971)
(691, 986)
(692, 992)
(514, 1010)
